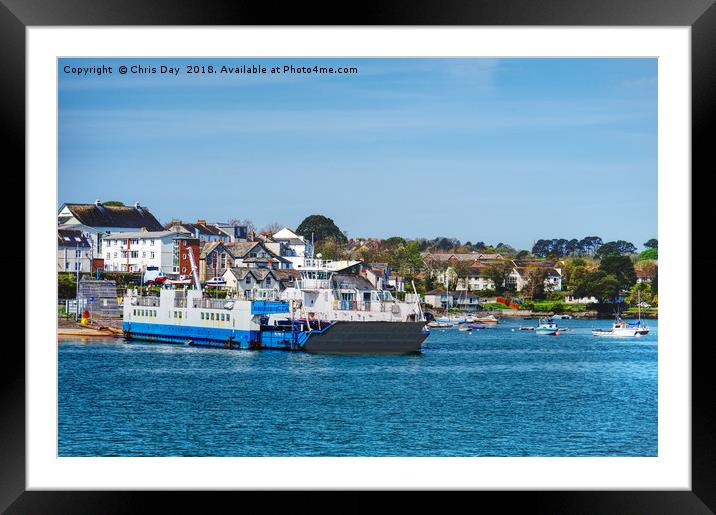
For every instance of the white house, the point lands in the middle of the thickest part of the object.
(135, 251)
(74, 252)
(97, 221)
(295, 247)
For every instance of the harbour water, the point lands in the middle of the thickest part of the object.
(493, 392)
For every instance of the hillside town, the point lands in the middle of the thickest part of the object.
(128, 244)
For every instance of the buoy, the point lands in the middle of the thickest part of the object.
(556, 334)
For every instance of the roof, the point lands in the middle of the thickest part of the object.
(259, 273)
(237, 249)
(522, 263)
(205, 229)
(141, 235)
(97, 215)
(468, 256)
(352, 281)
(71, 237)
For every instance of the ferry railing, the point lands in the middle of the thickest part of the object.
(314, 284)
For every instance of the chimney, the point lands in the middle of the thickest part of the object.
(202, 222)
(97, 203)
(136, 205)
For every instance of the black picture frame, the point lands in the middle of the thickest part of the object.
(699, 15)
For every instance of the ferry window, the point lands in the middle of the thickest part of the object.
(180, 314)
(212, 316)
(202, 315)
(222, 317)
(175, 314)
(228, 317)
(134, 312)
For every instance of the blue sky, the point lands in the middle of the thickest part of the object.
(493, 150)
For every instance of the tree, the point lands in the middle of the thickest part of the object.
(498, 273)
(652, 244)
(621, 268)
(640, 292)
(616, 248)
(534, 287)
(321, 228)
(648, 254)
(523, 254)
(331, 248)
(408, 260)
(250, 227)
(461, 269)
(271, 229)
(599, 285)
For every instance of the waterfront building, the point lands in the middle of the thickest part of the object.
(294, 247)
(258, 283)
(217, 257)
(74, 251)
(137, 251)
(97, 221)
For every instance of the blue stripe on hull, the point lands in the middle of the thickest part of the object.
(211, 337)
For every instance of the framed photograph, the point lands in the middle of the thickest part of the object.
(419, 251)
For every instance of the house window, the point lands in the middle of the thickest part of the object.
(223, 260)
(151, 242)
(248, 279)
(134, 254)
(151, 255)
(67, 265)
(144, 254)
(183, 242)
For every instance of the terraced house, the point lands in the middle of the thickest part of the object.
(217, 257)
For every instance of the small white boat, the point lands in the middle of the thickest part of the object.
(436, 324)
(216, 281)
(562, 317)
(622, 329)
(546, 326)
(464, 327)
(486, 319)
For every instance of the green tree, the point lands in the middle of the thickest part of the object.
(597, 284)
(621, 268)
(640, 291)
(534, 287)
(407, 259)
(461, 269)
(652, 244)
(321, 228)
(498, 273)
(648, 254)
(116, 203)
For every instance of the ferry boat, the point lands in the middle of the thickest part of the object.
(323, 313)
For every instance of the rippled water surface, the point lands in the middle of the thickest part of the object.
(496, 392)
